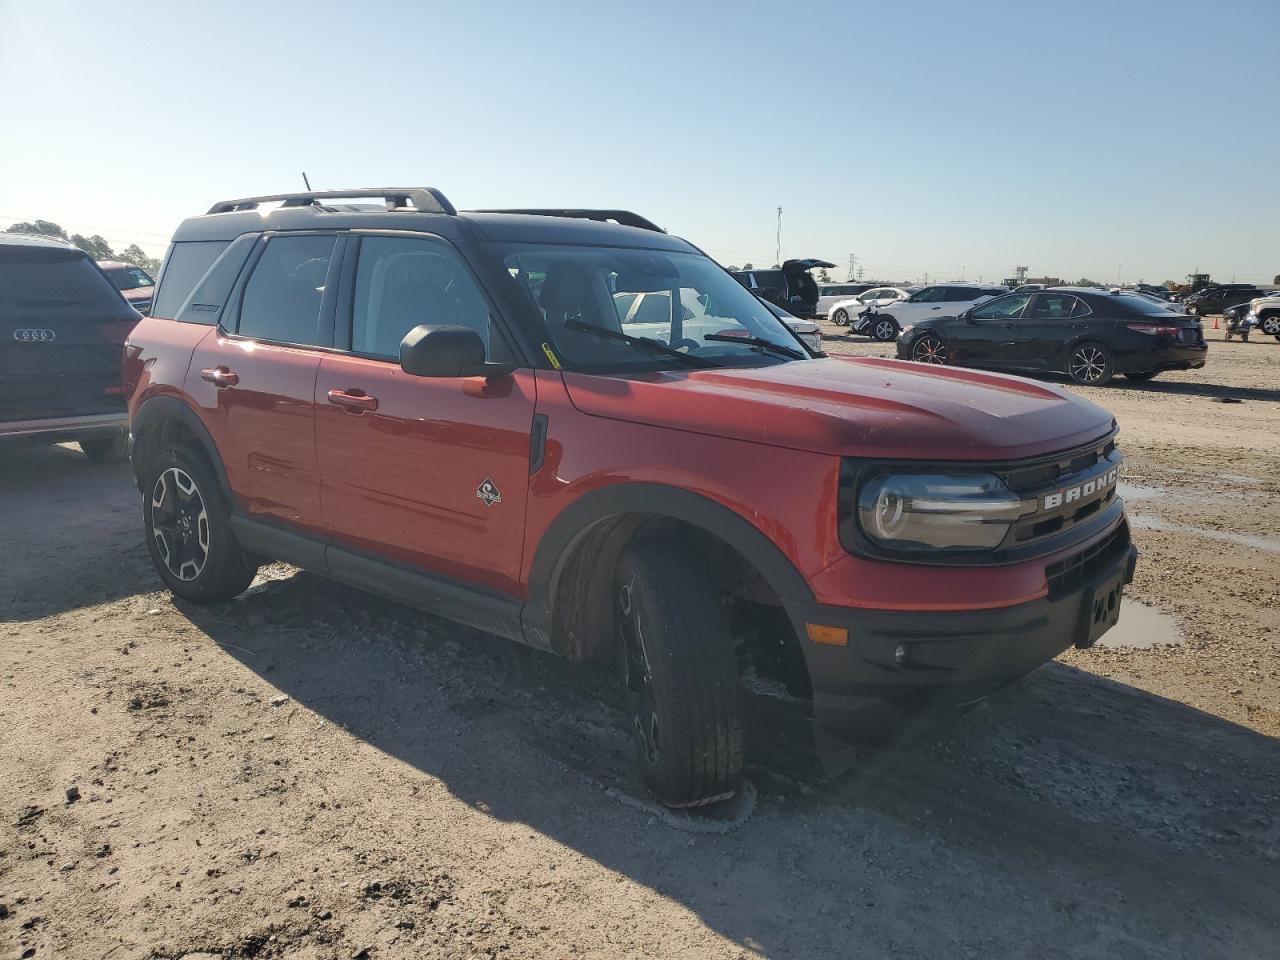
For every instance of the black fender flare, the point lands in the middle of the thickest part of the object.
(557, 544)
(154, 411)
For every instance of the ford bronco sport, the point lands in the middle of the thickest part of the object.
(449, 409)
(62, 332)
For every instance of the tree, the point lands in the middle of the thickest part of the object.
(823, 276)
(95, 246)
(138, 257)
(747, 266)
(39, 228)
(1276, 279)
(733, 269)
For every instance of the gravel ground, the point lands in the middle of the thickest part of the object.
(310, 773)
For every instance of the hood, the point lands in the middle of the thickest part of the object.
(857, 406)
(137, 293)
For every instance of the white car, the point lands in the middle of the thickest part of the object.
(1266, 313)
(844, 312)
(649, 315)
(829, 294)
(938, 300)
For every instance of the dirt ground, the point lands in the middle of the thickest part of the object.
(306, 772)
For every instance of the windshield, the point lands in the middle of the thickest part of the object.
(604, 308)
(128, 278)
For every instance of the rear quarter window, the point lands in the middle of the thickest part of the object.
(41, 283)
(184, 265)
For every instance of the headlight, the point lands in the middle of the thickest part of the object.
(939, 511)
(907, 329)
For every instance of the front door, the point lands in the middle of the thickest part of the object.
(988, 335)
(1051, 322)
(431, 473)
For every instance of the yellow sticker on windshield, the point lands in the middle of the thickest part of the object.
(555, 361)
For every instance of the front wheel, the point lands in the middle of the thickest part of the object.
(840, 317)
(188, 530)
(1091, 365)
(884, 329)
(679, 674)
(1270, 325)
(929, 350)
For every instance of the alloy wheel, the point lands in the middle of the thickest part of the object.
(1088, 364)
(840, 318)
(638, 676)
(929, 350)
(180, 523)
(885, 329)
(1271, 326)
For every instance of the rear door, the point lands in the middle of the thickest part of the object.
(255, 380)
(427, 472)
(62, 332)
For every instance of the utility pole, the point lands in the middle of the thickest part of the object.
(777, 253)
(962, 273)
(860, 271)
(1021, 274)
(852, 261)
(1118, 266)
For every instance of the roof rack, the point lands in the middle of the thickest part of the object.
(423, 199)
(624, 217)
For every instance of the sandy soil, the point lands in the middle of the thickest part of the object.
(310, 773)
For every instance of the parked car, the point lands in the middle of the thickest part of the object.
(1026, 287)
(134, 283)
(62, 332)
(791, 286)
(936, 300)
(1088, 334)
(649, 314)
(444, 408)
(845, 312)
(830, 293)
(1267, 311)
(1218, 298)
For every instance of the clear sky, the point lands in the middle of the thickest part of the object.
(1081, 139)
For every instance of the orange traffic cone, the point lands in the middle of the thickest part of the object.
(1215, 321)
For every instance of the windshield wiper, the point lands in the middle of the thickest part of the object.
(760, 342)
(646, 343)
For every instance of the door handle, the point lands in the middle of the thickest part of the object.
(219, 376)
(355, 401)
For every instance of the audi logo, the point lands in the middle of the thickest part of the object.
(35, 336)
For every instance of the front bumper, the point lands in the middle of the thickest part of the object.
(903, 674)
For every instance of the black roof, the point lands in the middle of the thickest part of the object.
(36, 240)
(431, 212)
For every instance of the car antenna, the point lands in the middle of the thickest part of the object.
(306, 181)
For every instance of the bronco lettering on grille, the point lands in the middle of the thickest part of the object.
(1081, 490)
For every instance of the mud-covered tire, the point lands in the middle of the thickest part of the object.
(840, 317)
(187, 524)
(1090, 364)
(110, 449)
(679, 674)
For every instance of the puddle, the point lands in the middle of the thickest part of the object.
(1140, 628)
(1136, 491)
(1269, 544)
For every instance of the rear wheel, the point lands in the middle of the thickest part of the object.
(679, 674)
(884, 329)
(1091, 364)
(188, 530)
(106, 449)
(840, 317)
(929, 349)
(1270, 325)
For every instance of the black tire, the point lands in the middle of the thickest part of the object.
(188, 531)
(929, 349)
(1090, 364)
(884, 329)
(1142, 376)
(111, 449)
(679, 674)
(840, 317)
(1270, 325)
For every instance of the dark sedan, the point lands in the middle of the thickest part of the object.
(1090, 335)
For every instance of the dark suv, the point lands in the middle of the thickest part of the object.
(790, 286)
(457, 411)
(62, 332)
(1217, 298)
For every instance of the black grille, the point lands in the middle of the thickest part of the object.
(1070, 574)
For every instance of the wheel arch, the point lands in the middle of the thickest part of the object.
(165, 419)
(567, 607)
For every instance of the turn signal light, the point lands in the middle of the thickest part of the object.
(831, 636)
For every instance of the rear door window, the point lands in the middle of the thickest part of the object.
(281, 301)
(40, 283)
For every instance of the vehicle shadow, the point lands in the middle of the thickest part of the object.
(96, 554)
(1194, 389)
(1071, 809)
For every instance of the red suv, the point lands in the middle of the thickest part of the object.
(448, 409)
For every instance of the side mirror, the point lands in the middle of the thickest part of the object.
(429, 350)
